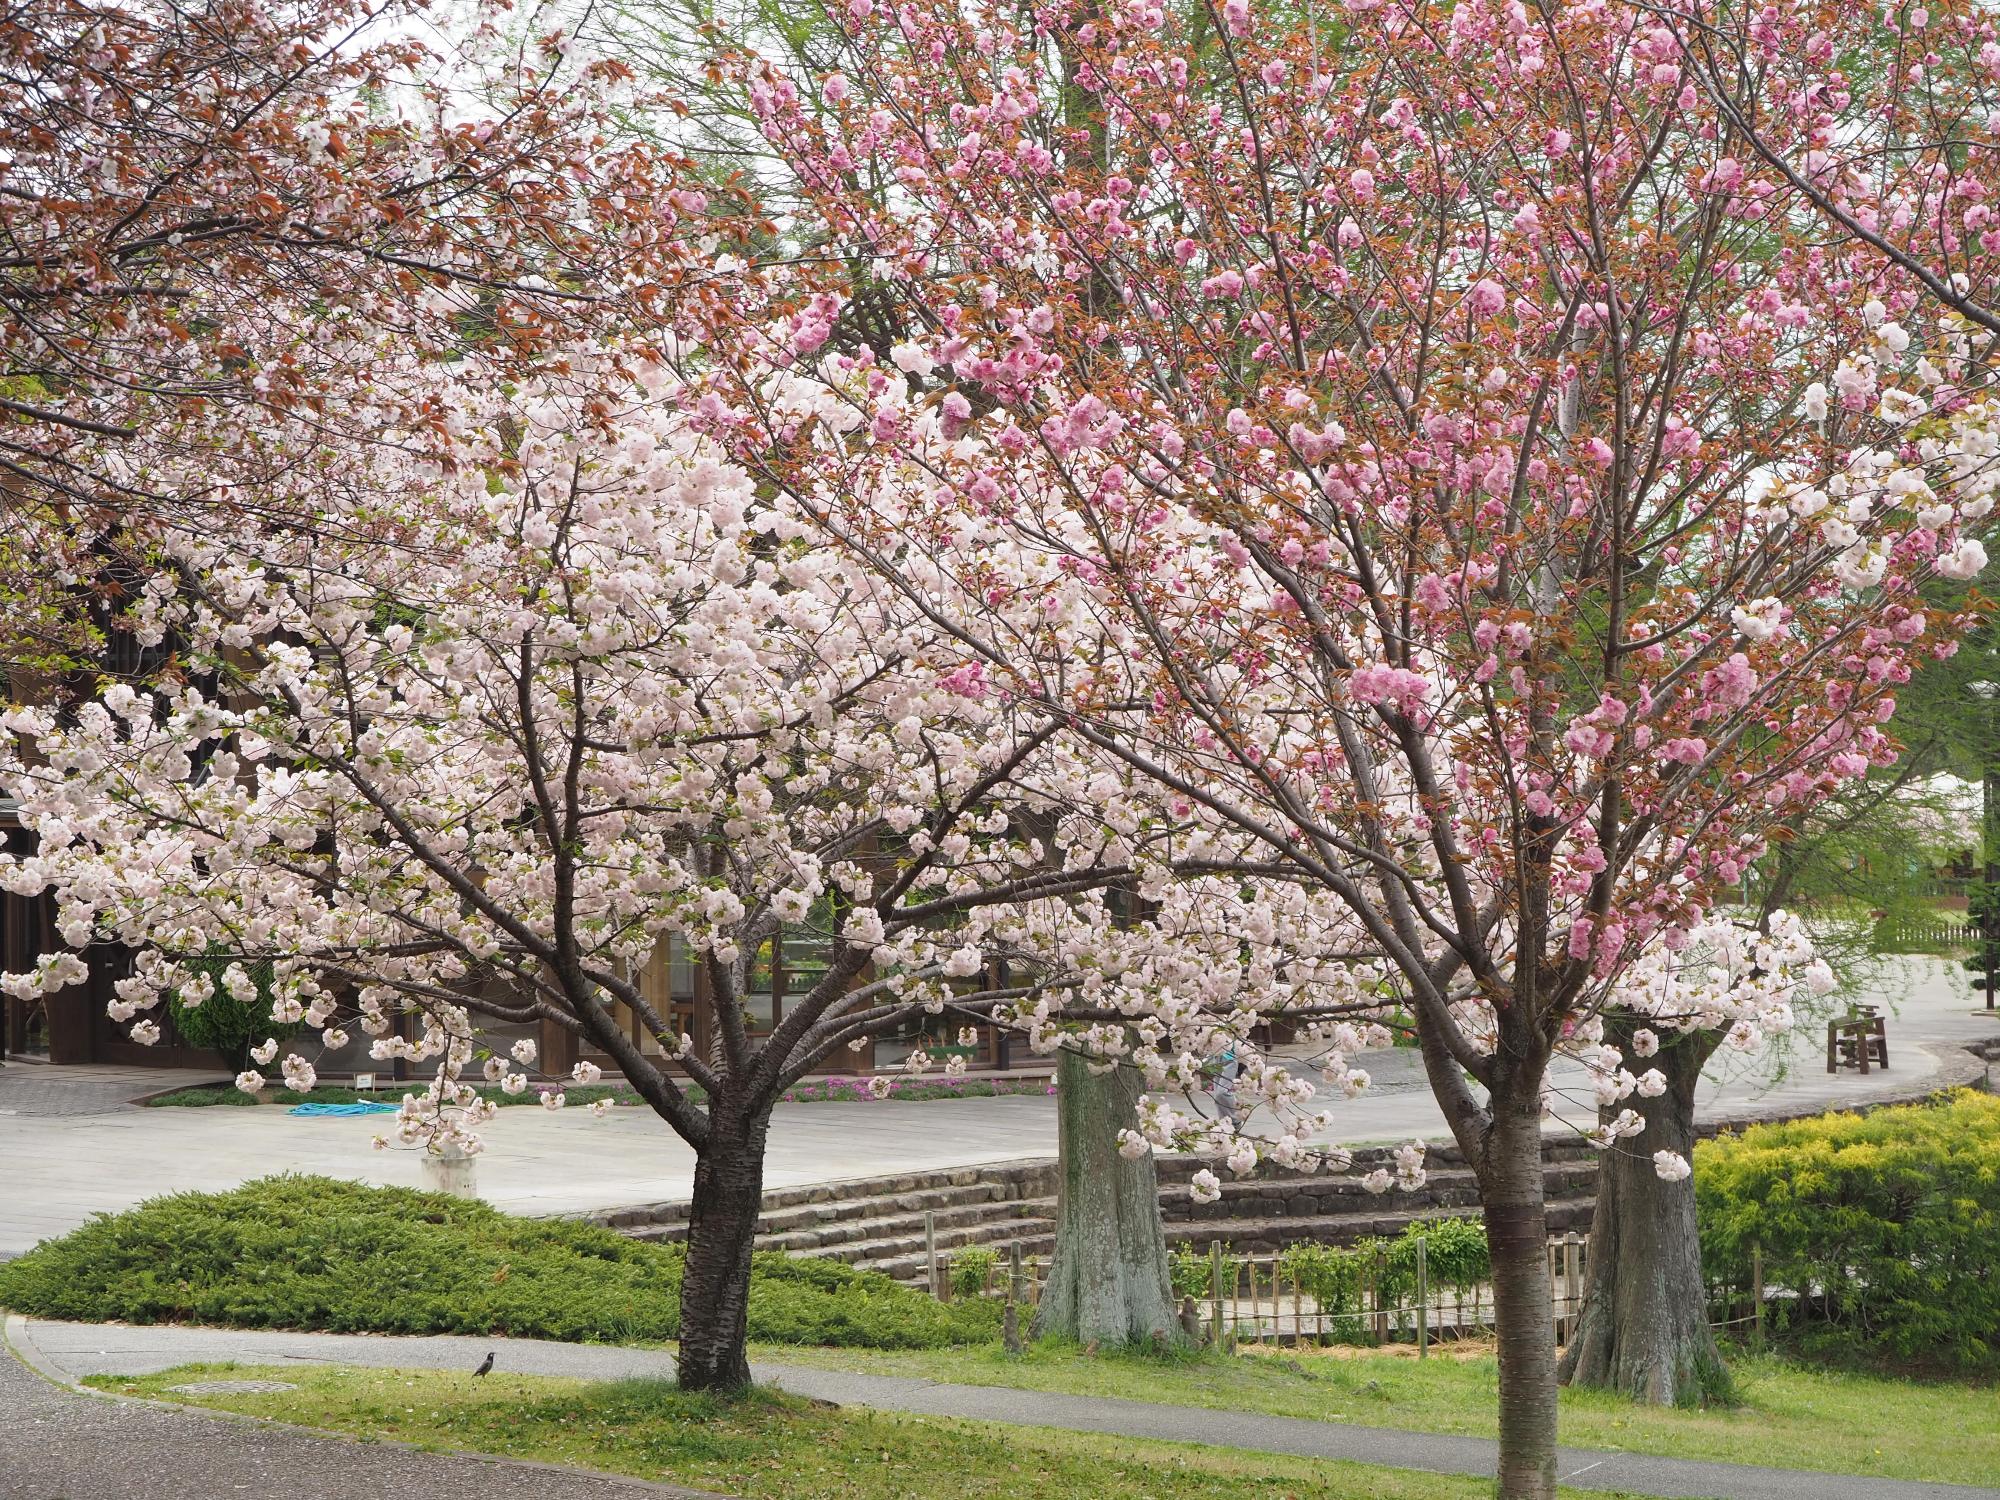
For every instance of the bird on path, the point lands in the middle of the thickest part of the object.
(484, 1365)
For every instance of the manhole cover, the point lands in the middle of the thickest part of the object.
(234, 1387)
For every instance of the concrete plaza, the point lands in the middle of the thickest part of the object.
(71, 1146)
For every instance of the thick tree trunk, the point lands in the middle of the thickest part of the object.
(1512, 1198)
(722, 1224)
(1109, 1284)
(1644, 1328)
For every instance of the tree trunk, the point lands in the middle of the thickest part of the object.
(1109, 1284)
(722, 1224)
(1644, 1328)
(1512, 1198)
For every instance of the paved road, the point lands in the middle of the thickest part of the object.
(63, 1162)
(61, 1444)
(71, 1350)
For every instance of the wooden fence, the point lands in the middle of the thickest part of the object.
(1937, 933)
(1261, 1300)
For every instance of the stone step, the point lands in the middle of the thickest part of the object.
(882, 1218)
(1563, 1148)
(1329, 1196)
(1267, 1236)
(894, 1225)
(912, 1269)
(871, 1254)
(801, 1229)
(941, 1200)
(1026, 1178)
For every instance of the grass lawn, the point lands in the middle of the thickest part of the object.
(1791, 1416)
(774, 1447)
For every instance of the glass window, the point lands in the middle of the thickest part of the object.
(808, 955)
(760, 998)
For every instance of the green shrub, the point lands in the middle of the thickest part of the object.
(1338, 1278)
(1191, 1273)
(1455, 1257)
(1329, 1274)
(972, 1269)
(310, 1252)
(224, 1023)
(1878, 1229)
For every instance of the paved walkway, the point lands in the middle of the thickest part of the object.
(62, 1444)
(71, 1350)
(40, 1090)
(62, 1162)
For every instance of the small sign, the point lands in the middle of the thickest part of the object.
(364, 1083)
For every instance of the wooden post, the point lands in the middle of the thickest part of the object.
(930, 1250)
(1215, 1291)
(1757, 1290)
(1558, 1292)
(1010, 1326)
(1298, 1309)
(1364, 1304)
(1571, 1285)
(1380, 1329)
(1423, 1302)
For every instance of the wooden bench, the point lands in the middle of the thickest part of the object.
(1857, 1039)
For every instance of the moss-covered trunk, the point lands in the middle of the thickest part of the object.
(1109, 1284)
(1644, 1327)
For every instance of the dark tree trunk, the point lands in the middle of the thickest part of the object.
(722, 1224)
(1644, 1327)
(1512, 1198)
(1109, 1283)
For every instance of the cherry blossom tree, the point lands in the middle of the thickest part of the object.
(203, 201)
(1881, 122)
(1507, 502)
(244, 243)
(469, 750)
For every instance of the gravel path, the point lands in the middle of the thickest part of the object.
(61, 1444)
(74, 1349)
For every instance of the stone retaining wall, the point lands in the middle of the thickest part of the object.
(1274, 1193)
(1033, 1177)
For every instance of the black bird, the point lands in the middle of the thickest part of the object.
(485, 1364)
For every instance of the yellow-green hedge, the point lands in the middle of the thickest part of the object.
(1885, 1226)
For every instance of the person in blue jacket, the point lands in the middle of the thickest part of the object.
(1225, 1085)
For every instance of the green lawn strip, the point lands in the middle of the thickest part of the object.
(775, 1447)
(1791, 1416)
